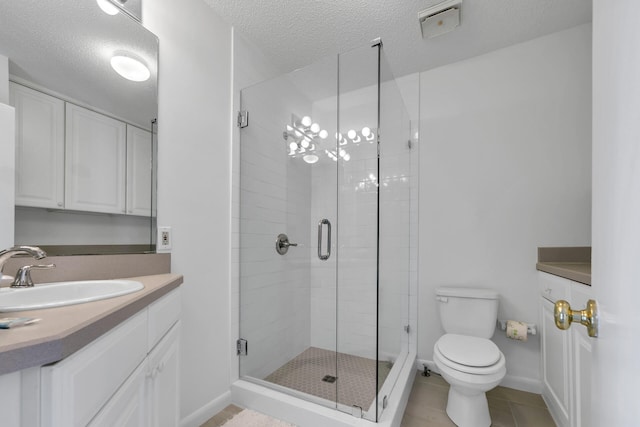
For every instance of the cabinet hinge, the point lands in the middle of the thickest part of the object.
(243, 119)
(241, 347)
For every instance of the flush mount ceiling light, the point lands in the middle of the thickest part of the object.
(130, 68)
(440, 19)
(108, 7)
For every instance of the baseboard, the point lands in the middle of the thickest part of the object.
(201, 415)
(511, 381)
(522, 383)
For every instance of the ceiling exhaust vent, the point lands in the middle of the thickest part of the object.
(440, 19)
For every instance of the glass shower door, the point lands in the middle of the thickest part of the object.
(287, 233)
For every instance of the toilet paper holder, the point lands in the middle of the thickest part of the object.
(531, 327)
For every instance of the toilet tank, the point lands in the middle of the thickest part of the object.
(468, 311)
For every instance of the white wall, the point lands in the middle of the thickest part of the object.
(194, 182)
(47, 227)
(505, 168)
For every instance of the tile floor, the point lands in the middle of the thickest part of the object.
(508, 407)
(428, 400)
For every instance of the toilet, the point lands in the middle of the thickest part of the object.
(465, 356)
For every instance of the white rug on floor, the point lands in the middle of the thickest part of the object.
(249, 418)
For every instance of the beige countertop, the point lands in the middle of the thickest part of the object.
(573, 263)
(576, 271)
(64, 330)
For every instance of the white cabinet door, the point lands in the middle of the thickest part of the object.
(95, 161)
(39, 148)
(566, 355)
(556, 371)
(128, 407)
(76, 388)
(139, 149)
(165, 380)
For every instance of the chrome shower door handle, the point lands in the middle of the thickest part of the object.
(328, 254)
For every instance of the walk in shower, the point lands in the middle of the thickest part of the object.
(326, 195)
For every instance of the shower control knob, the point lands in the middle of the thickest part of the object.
(282, 244)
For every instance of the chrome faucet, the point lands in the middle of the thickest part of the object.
(23, 278)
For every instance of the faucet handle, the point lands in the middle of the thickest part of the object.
(23, 276)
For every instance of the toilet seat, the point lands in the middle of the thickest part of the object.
(469, 354)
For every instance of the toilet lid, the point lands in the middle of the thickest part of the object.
(468, 351)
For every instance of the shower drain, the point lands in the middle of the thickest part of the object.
(329, 379)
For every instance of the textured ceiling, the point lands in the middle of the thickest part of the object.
(295, 33)
(66, 46)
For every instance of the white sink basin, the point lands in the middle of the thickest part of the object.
(48, 295)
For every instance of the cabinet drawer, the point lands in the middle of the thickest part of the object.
(74, 389)
(128, 406)
(162, 315)
(553, 288)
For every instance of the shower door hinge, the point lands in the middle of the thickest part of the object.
(241, 347)
(243, 119)
(407, 328)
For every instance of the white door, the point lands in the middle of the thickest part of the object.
(616, 212)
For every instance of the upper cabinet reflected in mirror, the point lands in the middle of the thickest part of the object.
(85, 135)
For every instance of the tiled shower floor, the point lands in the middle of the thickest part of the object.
(356, 376)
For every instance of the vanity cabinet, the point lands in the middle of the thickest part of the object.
(164, 381)
(127, 377)
(565, 355)
(96, 150)
(39, 149)
(149, 396)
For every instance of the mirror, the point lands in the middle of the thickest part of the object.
(63, 49)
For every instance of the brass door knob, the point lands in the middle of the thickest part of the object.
(564, 316)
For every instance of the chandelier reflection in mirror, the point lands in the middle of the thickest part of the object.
(305, 139)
